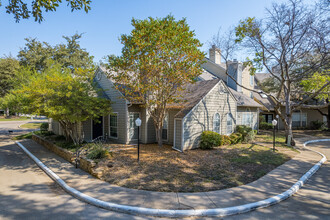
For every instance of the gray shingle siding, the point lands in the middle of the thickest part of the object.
(201, 117)
(118, 105)
(178, 134)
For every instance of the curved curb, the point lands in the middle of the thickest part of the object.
(219, 212)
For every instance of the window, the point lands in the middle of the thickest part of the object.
(251, 95)
(133, 129)
(251, 80)
(229, 123)
(113, 125)
(165, 128)
(216, 123)
(299, 119)
(247, 119)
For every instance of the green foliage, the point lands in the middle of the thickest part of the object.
(44, 127)
(226, 140)
(316, 125)
(36, 54)
(159, 57)
(97, 152)
(235, 138)
(21, 9)
(8, 68)
(210, 139)
(315, 82)
(247, 133)
(65, 97)
(265, 126)
(67, 145)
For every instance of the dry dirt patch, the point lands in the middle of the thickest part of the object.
(164, 169)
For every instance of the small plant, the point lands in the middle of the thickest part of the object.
(44, 127)
(235, 138)
(317, 125)
(97, 152)
(226, 140)
(265, 126)
(66, 145)
(60, 138)
(247, 133)
(210, 139)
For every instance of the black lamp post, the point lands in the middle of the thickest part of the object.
(274, 122)
(138, 124)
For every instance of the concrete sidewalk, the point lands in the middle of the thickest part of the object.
(275, 182)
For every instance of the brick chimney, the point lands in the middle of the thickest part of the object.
(215, 54)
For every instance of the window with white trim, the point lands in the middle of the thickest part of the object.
(299, 119)
(114, 125)
(229, 123)
(216, 123)
(247, 119)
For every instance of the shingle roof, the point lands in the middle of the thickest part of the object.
(244, 100)
(192, 95)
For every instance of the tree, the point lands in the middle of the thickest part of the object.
(313, 84)
(158, 58)
(286, 43)
(65, 97)
(21, 10)
(36, 54)
(8, 69)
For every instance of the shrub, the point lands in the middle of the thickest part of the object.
(316, 125)
(235, 138)
(44, 126)
(60, 138)
(97, 152)
(210, 139)
(265, 126)
(66, 145)
(226, 140)
(247, 133)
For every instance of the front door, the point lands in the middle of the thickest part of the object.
(133, 129)
(98, 128)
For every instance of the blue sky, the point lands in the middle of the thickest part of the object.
(108, 19)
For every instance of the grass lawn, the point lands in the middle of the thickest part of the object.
(31, 125)
(15, 119)
(166, 170)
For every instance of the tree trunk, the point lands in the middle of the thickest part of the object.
(7, 112)
(159, 134)
(328, 116)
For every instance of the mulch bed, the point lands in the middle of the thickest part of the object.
(166, 170)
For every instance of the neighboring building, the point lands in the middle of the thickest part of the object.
(247, 107)
(300, 119)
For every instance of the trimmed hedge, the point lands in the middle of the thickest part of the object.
(210, 139)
